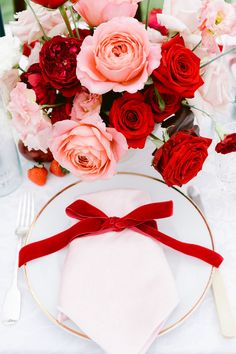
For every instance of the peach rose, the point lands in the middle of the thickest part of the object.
(87, 148)
(97, 12)
(85, 105)
(28, 119)
(117, 57)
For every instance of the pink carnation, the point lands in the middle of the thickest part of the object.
(216, 18)
(117, 57)
(97, 12)
(33, 126)
(27, 29)
(87, 148)
(85, 105)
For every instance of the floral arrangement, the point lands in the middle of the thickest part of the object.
(97, 81)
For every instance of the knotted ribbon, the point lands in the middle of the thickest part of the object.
(93, 221)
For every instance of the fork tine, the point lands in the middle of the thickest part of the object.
(26, 210)
(30, 210)
(21, 211)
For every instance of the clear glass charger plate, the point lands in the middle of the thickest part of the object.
(193, 277)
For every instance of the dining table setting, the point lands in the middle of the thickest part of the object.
(118, 178)
(34, 332)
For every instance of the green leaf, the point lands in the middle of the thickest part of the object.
(64, 170)
(161, 102)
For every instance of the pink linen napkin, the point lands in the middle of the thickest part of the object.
(117, 287)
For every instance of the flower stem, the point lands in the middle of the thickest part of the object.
(19, 68)
(51, 105)
(74, 21)
(185, 103)
(219, 130)
(197, 45)
(147, 13)
(66, 20)
(36, 17)
(156, 141)
(218, 56)
(154, 137)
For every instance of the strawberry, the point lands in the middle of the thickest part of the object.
(57, 169)
(38, 175)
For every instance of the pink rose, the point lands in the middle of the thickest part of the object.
(117, 57)
(85, 105)
(27, 29)
(32, 124)
(87, 148)
(97, 12)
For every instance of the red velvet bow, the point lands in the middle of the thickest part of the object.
(93, 222)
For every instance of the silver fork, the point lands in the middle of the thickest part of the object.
(12, 303)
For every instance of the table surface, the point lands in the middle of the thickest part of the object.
(35, 334)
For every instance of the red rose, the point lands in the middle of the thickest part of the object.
(227, 145)
(153, 23)
(181, 157)
(131, 116)
(61, 112)
(172, 103)
(179, 71)
(45, 93)
(58, 64)
(83, 33)
(52, 4)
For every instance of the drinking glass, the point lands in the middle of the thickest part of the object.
(10, 168)
(226, 173)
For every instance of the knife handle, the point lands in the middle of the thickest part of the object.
(225, 316)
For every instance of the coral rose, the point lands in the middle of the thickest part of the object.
(97, 12)
(117, 57)
(181, 157)
(28, 119)
(87, 148)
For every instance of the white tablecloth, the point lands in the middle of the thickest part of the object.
(35, 334)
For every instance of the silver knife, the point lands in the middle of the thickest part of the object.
(224, 311)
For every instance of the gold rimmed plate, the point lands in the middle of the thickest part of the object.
(193, 277)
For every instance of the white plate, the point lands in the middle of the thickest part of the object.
(193, 277)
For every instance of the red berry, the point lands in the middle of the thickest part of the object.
(57, 169)
(38, 175)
